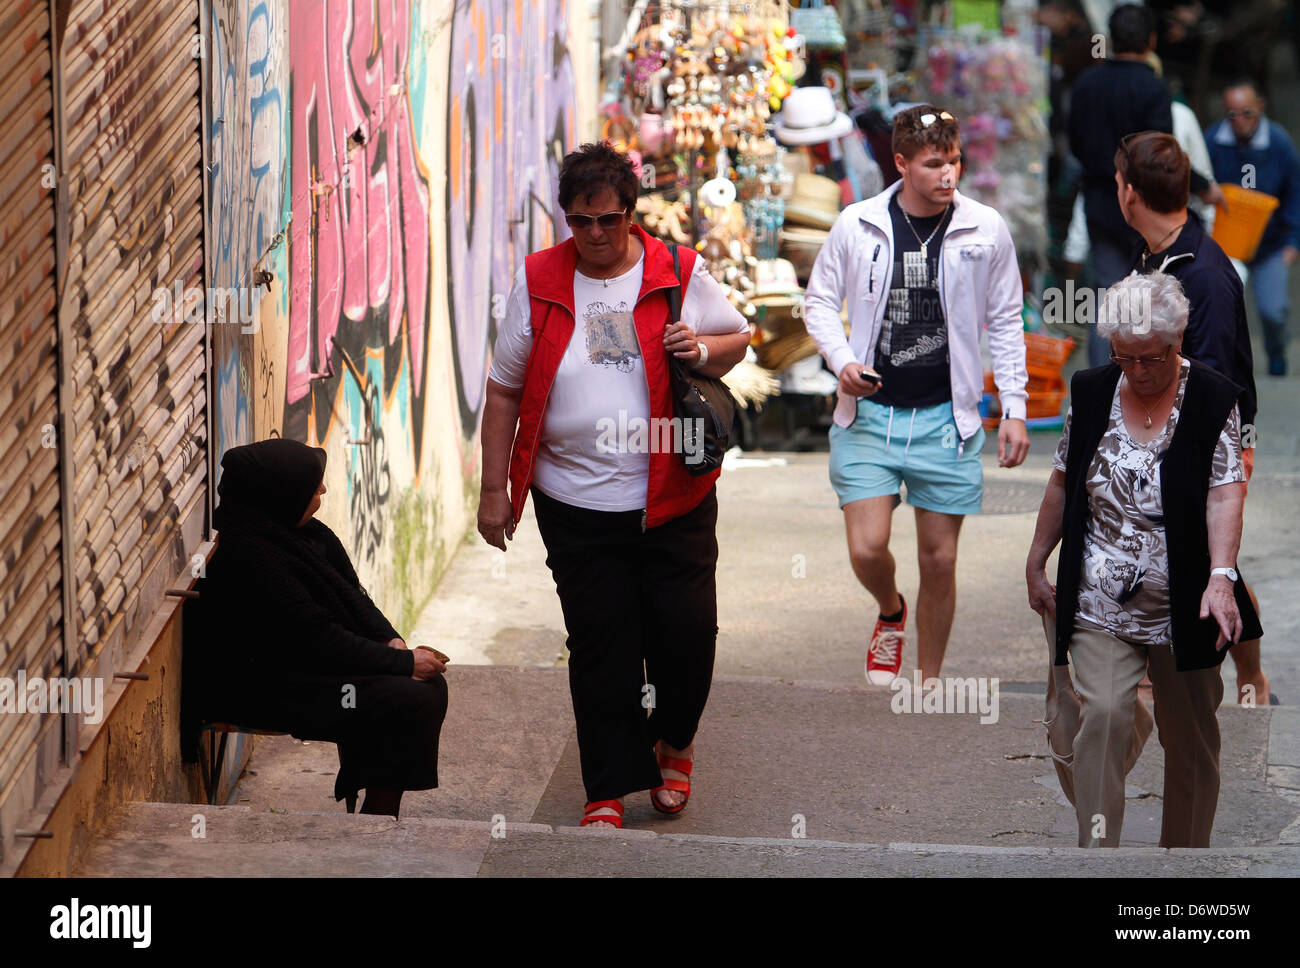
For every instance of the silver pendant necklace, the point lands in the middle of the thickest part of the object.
(925, 251)
(622, 267)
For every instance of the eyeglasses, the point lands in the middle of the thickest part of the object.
(609, 221)
(1123, 361)
(925, 120)
(1243, 113)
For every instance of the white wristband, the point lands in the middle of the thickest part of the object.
(704, 355)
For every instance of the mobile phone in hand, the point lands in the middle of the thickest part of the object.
(870, 377)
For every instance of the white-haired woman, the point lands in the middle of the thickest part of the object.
(1145, 500)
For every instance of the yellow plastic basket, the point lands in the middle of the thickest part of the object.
(1239, 229)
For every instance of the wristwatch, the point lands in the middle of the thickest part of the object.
(704, 355)
(1230, 572)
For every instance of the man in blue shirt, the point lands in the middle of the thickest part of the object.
(1252, 151)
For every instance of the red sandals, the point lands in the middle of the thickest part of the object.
(589, 816)
(677, 786)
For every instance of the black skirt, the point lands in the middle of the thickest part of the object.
(386, 727)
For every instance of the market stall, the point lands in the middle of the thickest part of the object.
(752, 123)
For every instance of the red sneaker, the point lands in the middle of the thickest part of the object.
(885, 654)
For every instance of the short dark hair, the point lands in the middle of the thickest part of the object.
(1131, 27)
(1158, 169)
(592, 169)
(911, 134)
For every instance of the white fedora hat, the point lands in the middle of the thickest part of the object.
(808, 116)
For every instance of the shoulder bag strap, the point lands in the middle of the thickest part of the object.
(675, 294)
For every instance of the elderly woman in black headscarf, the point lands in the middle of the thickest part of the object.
(289, 640)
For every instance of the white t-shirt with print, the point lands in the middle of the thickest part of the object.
(594, 448)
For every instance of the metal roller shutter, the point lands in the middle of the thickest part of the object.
(137, 448)
(31, 607)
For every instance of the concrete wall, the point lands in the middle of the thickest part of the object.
(133, 755)
(390, 165)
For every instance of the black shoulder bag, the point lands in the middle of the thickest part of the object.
(702, 404)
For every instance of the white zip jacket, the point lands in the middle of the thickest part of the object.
(979, 286)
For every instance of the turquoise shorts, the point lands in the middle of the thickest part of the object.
(887, 447)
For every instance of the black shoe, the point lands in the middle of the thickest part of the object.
(1277, 366)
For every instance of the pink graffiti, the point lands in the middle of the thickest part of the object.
(359, 241)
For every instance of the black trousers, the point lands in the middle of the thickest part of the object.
(641, 612)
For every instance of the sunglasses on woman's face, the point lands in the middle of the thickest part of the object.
(609, 221)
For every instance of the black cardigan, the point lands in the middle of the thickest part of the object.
(1185, 486)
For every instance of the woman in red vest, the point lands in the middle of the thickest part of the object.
(579, 412)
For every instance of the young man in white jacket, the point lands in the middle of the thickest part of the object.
(924, 269)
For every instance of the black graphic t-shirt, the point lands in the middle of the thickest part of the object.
(912, 353)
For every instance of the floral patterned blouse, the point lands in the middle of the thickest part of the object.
(1124, 584)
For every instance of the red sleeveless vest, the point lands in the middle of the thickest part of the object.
(670, 490)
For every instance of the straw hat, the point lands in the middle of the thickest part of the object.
(815, 201)
(777, 354)
(801, 246)
(775, 277)
(777, 318)
(808, 117)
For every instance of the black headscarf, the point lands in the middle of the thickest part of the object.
(278, 477)
(301, 574)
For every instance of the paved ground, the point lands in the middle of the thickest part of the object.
(794, 760)
(157, 840)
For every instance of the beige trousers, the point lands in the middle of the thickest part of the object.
(1097, 727)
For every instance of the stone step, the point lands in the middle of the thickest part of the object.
(158, 840)
(773, 754)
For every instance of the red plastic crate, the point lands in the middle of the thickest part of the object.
(1045, 404)
(1045, 380)
(1047, 351)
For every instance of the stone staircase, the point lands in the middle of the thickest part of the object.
(793, 779)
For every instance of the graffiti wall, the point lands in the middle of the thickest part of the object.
(508, 60)
(379, 170)
(248, 125)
